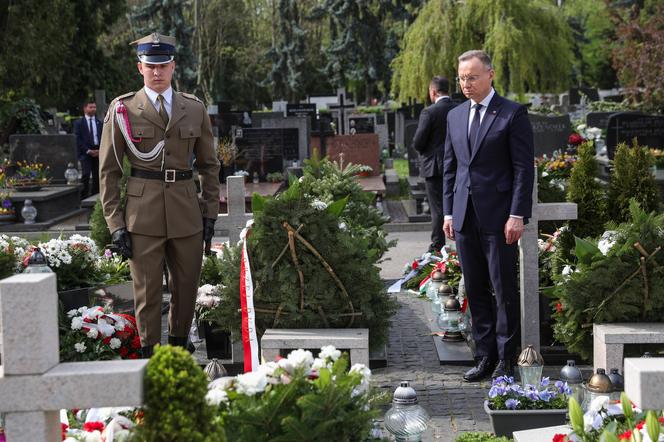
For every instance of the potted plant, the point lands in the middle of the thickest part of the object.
(512, 407)
(28, 177)
(7, 210)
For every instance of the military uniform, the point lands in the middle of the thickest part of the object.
(163, 213)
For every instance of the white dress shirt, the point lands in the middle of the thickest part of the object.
(168, 99)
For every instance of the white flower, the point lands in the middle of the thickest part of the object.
(206, 289)
(216, 396)
(208, 301)
(545, 174)
(72, 313)
(599, 403)
(607, 241)
(362, 370)
(115, 343)
(342, 226)
(329, 351)
(301, 358)
(318, 204)
(80, 347)
(92, 333)
(567, 271)
(286, 365)
(251, 383)
(268, 368)
(76, 323)
(580, 127)
(592, 420)
(82, 310)
(321, 363)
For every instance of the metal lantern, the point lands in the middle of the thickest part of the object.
(618, 383)
(598, 385)
(71, 174)
(437, 279)
(215, 370)
(571, 374)
(29, 212)
(406, 420)
(450, 320)
(530, 365)
(37, 263)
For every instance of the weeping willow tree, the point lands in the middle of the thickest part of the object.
(529, 41)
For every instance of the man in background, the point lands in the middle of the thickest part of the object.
(88, 136)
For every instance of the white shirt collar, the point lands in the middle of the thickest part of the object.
(152, 95)
(441, 97)
(486, 101)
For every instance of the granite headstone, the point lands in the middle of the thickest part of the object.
(55, 151)
(550, 133)
(264, 150)
(598, 119)
(623, 127)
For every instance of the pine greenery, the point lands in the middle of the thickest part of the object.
(585, 190)
(524, 57)
(175, 405)
(623, 286)
(631, 179)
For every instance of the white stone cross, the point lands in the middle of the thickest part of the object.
(34, 385)
(236, 218)
(644, 382)
(529, 265)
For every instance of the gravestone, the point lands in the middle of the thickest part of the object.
(361, 124)
(55, 151)
(356, 149)
(383, 137)
(550, 133)
(303, 127)
(529, 264)
(410, 127)
(279, 106)
(598, 119)
(644, 381)
(34, 385)
(265, 150)
(344, 103)
(625, 126)
(576, 92)
(301, 110)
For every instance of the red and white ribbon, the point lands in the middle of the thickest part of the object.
(249, 339)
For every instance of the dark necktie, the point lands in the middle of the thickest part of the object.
(474, 128)
(162, 109)
(92, 134)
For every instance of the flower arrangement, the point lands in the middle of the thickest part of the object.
(6, 205)
(29, 174)
(92, 334)
(505, 394)
(206, 300)
(445, 260)
(112, 268)
(98, 424)
(226, 151)
(606, 421)
(12, 250)
(283, 399)
(559, 166)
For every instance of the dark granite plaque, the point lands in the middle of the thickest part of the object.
(301, 110)
(623, 127)
(361, 124)
(598, 119)
(55, 151)
(576, 92)
(264, 150)
(550, 133)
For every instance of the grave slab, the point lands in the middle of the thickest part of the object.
(609, 341)
(541, 434)
(53, 203)
(644, 378)
(356, 149)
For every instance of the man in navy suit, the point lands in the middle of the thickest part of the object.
(88, 136)
(487, 197)
(429, 141)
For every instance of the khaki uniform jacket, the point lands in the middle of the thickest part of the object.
(154, 207)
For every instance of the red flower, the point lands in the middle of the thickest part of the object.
(640, 425)
(414, 265)
(92, 426)
(123, 352)
(627, 435)
(63, 429)
(136, 342)
(559, 307)
(661, 419)
(559, 438)
(575, 139)
(133, 356)
(106, 340)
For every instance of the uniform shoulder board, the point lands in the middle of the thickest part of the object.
(191, 97)
(128, 94)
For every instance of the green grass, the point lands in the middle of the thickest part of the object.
(401, 166)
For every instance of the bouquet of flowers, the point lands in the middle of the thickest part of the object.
(112, 268)
(558, 167)
(446, 261)
(29, 174)
(12, 250)
(100, 424)
(505, 394)
(6, 205)
(207, 299)
(282, 399)
(92, 334)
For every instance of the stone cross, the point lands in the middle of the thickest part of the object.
(529, 265)
(235, 220)
(644, 382)
(34, 385)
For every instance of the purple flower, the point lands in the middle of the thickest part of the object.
(545, 395)
(108, 254)
(531, 393)
(544, 382)
(496, 390)
(6, 203)
(512, 404)
(559, 385)
(516, 388)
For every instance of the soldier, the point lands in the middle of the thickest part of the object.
(159, 131)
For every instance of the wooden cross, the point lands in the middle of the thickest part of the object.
(34, 385)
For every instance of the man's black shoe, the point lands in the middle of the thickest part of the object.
(147, 352)
(505, 367)
(481, 370)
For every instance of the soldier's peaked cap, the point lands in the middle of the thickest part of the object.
(155, 48)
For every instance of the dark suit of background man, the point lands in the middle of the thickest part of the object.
(88, 137)
(429, 141)
(487, 186)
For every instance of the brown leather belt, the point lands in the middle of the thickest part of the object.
(168, 175)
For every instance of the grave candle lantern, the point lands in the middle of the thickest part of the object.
(530, 365)
(571, 374)
(618, 384)
(406, 420)
(450, 319)
(598, 385)
(71, 174)
(437, 279)
(29, 212)
(37, 263)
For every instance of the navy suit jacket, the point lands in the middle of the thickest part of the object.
(499, 170)
(84, 140)
(429, 139)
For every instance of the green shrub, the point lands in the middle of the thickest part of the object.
(631, 179)
(587, 193)
(175, 405)
(475, 436)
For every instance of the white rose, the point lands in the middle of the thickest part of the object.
(76, 323)
(286, 365)
(216, 396)
(362, 370)
(115, 343)
(599, 403)
(72, 313)
(301, 358)
(329, 351)
(79, 347)
(268, 368)
(92, 333)
(251, 383)
(320, 363)
(206, 289)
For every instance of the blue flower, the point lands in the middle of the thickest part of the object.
(559, 385)
(512, 404)
(6, 203)
(496, 390)
(531, 393)
(545, 395)
(544, 382)
(516, 388)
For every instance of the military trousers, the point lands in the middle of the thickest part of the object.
(184, 257)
